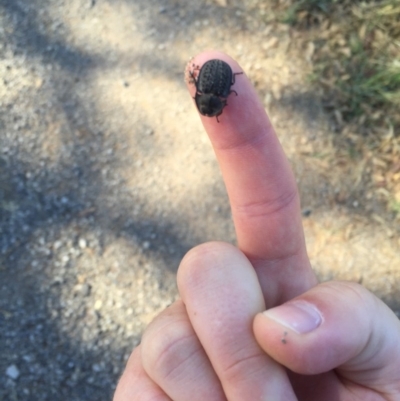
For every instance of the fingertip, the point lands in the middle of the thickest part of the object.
(203, 57)
(242, 107)
(335, 325)
(308, 334)
(203, 257)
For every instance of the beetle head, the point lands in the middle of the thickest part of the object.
(209, 105)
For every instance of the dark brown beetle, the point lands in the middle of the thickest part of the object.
(213, 86)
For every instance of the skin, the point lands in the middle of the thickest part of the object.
(253, 322)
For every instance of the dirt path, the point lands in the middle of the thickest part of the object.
(107, 178)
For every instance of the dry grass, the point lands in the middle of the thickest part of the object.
(356, 56)
(354, 47)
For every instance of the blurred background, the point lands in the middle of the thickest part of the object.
(107, 178)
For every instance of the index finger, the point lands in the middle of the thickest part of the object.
(261, 187)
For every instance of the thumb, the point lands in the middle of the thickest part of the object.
(335, 325)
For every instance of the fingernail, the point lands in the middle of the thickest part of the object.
(301, 317)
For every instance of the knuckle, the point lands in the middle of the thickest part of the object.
(243, 368)
(166, 347)
(268, 207)
(356, 293)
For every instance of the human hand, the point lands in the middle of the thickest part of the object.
(332, 342)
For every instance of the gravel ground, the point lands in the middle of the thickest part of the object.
(106, 179)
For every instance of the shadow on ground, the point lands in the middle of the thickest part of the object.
(47, 206)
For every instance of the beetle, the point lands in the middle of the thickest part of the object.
(213, 86)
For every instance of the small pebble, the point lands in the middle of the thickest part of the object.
(98, 304)
(12, 372)
(82, 243)
(96, 367)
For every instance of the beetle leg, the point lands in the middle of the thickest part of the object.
(192, 75)
(233, 76)
(224, 103)
(233, 92)
(192, 79)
